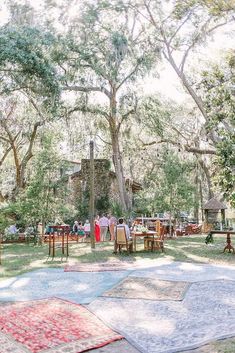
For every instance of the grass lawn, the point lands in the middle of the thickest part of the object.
(23, 257)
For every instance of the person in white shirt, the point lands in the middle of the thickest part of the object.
(104, 224)
(121, 224)
(87, 228)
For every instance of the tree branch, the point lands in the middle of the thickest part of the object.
(89, 110)
(87, 89)
(183, 146)
(106, 142)
(131, 111)
(28, 155)
(129, 75)
(5, 155)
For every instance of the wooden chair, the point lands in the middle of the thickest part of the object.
(158, 243)
(121, 240)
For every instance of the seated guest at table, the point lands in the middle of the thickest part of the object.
(75, 227)
(87, 228)
(12, 229)
(121, 224)
(81, 232)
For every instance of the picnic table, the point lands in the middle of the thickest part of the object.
(136, 234)
(228, 246)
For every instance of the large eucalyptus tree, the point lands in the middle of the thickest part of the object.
(107, 50)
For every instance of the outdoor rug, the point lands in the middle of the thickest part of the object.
(51, 326)
(97, 267)
(148, 288)
(50, 282)
(207, 313)
(110, 266)
(185, 271)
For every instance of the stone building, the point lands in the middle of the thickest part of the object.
(105, 185)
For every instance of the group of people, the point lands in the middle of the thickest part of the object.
(102, 226)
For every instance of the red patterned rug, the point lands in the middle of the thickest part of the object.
(51, 326)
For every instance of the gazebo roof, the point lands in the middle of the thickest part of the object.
(214, 204)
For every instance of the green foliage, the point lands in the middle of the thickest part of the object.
(82, 206)
(225, 176)
(25, 52)
(154, 114)
(44, 198)
(218, 91)
(116, 209)
(5, 220)
(102, 204)
(169, 188)
(218, 87)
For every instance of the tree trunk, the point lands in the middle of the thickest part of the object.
(208, 178)
(196, 206)
(117, 160)
(114, 126)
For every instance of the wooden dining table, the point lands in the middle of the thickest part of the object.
(136, 234)
(228, 234)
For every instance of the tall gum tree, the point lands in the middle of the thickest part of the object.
(107, 56)
(179, 28)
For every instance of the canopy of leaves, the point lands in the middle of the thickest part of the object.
(25, 64)
(169, 188)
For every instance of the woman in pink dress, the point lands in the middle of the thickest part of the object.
(97, 229)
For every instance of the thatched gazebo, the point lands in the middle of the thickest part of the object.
(212, 208)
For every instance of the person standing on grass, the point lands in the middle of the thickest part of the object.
(97, 229)
(104, 224)
(112, 224)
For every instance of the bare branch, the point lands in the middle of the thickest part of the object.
(85, 109)
(125, 116)
(106, 142)
(87, 89)
(197, 38)
(180, 26)
(5, 155)
(28, 155)
(183, 146)
(129, 75)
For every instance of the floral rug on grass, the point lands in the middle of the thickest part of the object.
(148, 288)
(51, 326)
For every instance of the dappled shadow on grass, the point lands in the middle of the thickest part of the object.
(22, 257)
(194, 249)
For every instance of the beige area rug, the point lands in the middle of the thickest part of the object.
(97, 267)
(148, 288)
(116, 265)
